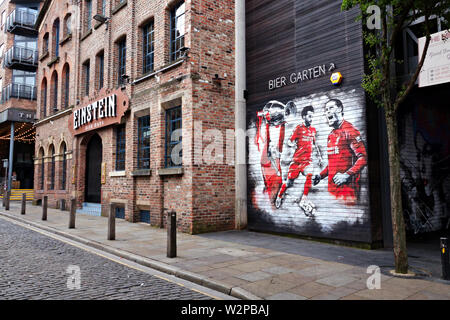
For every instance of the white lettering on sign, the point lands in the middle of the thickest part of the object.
(105, 108)
(301, 76)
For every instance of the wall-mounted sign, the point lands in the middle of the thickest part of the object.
(436, 68)
(17, 115)
(103, 179)
(74, 172)
(336, 78)
(104, 110)
(301, 76)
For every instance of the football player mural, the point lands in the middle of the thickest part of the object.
(269, 139)
(307, 164)
(304, 140)
(346, 155)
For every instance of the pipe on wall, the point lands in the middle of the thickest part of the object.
(240, 118)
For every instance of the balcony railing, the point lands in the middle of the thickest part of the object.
(18, 91)
(22, 21)
(21, 58)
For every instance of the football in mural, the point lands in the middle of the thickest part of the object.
(307, 163)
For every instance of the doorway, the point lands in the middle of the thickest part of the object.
(93, 170)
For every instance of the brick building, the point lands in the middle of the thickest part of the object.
(139, 101)
(18, 54)
(118, 79)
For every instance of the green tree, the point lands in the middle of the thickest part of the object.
(387, 91)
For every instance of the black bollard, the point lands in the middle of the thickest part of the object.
(24, 203)
(44, 208)
(171, 234)
(8, 197)
(445, 259)
(112, 222)
(4, 199)
(73, 209)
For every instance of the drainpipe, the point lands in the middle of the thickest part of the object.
(240, 118)
(11, 157)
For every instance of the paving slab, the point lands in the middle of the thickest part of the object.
(286, 296)
(249, 265)
(254, 276)
(311, 289)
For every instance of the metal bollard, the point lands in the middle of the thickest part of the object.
(445, 259)
(4, 199)
(8, 197)
(171, 234)
(73, 209)
(44, 208)
(24, 203)
(112, 222)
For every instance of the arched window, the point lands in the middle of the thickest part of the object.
(101, 7)
(55, 35)
(67, 25)
(54, 92)
(122, 60)
(52, 168)
(45, 44)
(44, 98)
(42, 169)
(64, 167)
(66, 86)
(88, 15)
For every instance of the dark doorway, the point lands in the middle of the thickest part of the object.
(93, 170)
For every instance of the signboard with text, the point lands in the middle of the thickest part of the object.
(436, 68)
(103, 110)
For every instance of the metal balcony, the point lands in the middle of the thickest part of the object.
(21, 21)
(19, 91)
(21, 58)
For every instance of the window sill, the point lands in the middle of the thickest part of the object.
(53, 61)
(66, 39)
(87, 34)
(119, 7)
(164, 68)
(118, 174)
(141, 173)
(43, 56)
(171, 171)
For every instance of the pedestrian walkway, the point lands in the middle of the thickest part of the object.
(244, 264)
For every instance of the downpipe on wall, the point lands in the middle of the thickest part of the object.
(240, 118)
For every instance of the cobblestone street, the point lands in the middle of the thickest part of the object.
(34, 266)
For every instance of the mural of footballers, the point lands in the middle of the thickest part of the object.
(269, 140)
(347, 155)
(303, 140)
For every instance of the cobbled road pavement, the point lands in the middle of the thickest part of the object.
(34, 267)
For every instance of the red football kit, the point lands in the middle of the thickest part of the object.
(272, 181)
(302, 158)
(346, 154)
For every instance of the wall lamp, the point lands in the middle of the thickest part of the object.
(102, 19)
(184, 52)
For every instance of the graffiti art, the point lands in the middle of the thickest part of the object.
(307, 164)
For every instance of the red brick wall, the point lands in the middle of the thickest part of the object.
(203, 196)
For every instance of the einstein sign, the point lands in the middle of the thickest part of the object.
(105, 109)
(436, 68)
